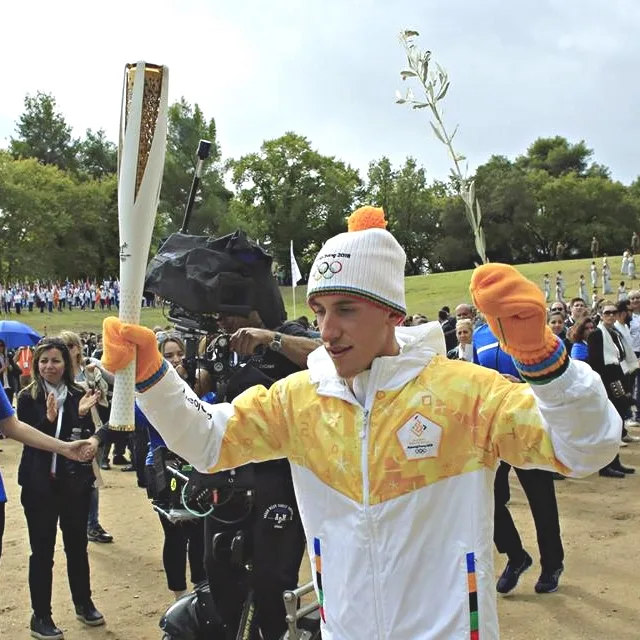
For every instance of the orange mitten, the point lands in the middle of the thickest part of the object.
(120, 341)
(515, 310)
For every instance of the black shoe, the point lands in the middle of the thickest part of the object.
(99, 535)
(610, 472)
(105, 466)
(89, 614)
(510, 576)
(557, 476)
(120, 460)
(45, 629)
(548, 581)
(626, 470)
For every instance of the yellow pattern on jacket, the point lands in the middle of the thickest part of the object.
(398, 492)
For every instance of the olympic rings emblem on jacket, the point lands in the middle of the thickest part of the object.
(327, 270)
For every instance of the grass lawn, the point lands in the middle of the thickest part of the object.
(425, 294)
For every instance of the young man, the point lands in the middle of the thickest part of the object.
(577, 311)
(392, 446)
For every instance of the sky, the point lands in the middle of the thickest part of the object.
(329, 69)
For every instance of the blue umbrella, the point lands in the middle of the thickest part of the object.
(16, 334)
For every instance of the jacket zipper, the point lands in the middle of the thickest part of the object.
(364, 456)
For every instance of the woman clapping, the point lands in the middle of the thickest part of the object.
(54, 489)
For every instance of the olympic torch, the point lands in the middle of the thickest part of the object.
(143, 138)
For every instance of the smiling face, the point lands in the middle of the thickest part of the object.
(172, 352)
(51, 366)
(354, 332)
(556, 322)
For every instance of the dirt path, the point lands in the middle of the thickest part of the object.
(599, 596)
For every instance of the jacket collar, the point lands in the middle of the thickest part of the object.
(418, 345)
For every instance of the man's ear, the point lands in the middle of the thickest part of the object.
(396, 318)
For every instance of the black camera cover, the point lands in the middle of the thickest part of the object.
(205, 275)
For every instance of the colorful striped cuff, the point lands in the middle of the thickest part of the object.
(145, 385)
(553, 366)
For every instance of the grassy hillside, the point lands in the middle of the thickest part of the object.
(425, 294)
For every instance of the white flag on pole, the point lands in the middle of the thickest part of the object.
(296, 276)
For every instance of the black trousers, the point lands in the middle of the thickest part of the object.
(2, 510)
(277, 543)
(182, 540)
(541, 494)
(43, 512)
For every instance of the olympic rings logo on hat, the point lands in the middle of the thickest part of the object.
(327, 270)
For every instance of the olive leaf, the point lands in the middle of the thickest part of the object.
(435, 86)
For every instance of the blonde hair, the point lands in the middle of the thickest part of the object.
(69, 337)
(464, 323)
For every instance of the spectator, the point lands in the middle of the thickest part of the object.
(578, 335)
(606, 352)
(54, 490)
(464, 334)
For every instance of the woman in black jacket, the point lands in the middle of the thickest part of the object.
(606, 352)
(55, 489)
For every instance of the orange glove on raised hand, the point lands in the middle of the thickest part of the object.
(122, 341)
(515, 310)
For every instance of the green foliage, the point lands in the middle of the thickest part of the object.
(410, 207)
(290, 192)
(186, 127)
(58, 196)
(43, 134)
(97, 156)
(52, 225)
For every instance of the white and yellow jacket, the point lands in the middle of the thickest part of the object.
(396, 491)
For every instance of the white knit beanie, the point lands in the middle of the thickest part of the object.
(366, 262)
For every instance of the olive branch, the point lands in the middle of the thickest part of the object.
(435, 84)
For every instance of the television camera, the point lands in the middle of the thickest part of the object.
(200, 278)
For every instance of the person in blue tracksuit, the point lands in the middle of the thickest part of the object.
(538, 487)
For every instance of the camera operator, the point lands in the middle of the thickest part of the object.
(277, 530)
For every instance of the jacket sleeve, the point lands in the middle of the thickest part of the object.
(567, 425)
(214, 437)
(596, 351)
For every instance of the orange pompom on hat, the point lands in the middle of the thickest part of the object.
(366, 262)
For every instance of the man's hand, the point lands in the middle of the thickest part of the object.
(244, 341)
(80, 450)
(122, 341)
(515, 310)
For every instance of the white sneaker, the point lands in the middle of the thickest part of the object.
(631, 422)
(629, 438)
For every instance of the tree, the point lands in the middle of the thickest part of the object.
(43, 134)
(52, 226)
(186, 127)
(408, 202)
(557, 156)
(508, 208)
(97, 156)
(289, 192)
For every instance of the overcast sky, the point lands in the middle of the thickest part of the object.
(328, 69)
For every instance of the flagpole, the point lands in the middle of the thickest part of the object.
(296, 276)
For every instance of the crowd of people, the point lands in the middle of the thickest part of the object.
(68, 295)
(352, 381)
